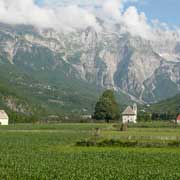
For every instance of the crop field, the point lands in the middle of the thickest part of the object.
(49, 152)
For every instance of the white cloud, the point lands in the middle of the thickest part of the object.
(112, 9)
(68, 15)
(137, 24)
(27, 12)
(74, 17)
(82, 2)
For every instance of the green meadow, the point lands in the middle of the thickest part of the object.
(49, 151)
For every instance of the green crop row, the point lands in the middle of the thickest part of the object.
(50, 154)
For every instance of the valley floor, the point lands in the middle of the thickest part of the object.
(49, 152)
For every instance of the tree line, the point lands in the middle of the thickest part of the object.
(106, 109)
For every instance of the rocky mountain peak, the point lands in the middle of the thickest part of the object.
(109, 59)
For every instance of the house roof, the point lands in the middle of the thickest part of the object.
(128, 111)
(178, 118)
(3, 114)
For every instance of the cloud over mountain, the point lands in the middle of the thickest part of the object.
(68, 15)
(27, 12)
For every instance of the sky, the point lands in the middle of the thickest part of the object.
(137, 17)
(167, 11)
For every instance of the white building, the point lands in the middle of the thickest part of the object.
(87, 116)
(4, 119)
(130, 114)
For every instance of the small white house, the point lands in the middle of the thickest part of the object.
(4, 119)
(87, 116)
(130, 114)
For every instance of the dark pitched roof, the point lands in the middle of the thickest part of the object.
(128, 111)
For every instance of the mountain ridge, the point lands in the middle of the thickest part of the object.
(144, 70)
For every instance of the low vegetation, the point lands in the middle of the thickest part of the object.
(128, 143)
(49, 152)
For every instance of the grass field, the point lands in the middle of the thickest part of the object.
(49, 152)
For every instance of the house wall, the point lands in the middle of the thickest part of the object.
(129, 118)
(4, 121)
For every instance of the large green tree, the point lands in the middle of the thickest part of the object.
(107, 108)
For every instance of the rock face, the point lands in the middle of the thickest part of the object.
(146, 70)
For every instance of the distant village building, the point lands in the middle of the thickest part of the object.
(130, 114)
(178, 120)
(87, 117)
(4, 119)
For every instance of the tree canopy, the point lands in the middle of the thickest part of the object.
(107, 108)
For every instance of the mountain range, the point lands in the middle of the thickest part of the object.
(47, 70)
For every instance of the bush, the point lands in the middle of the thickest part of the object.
(120, 143)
